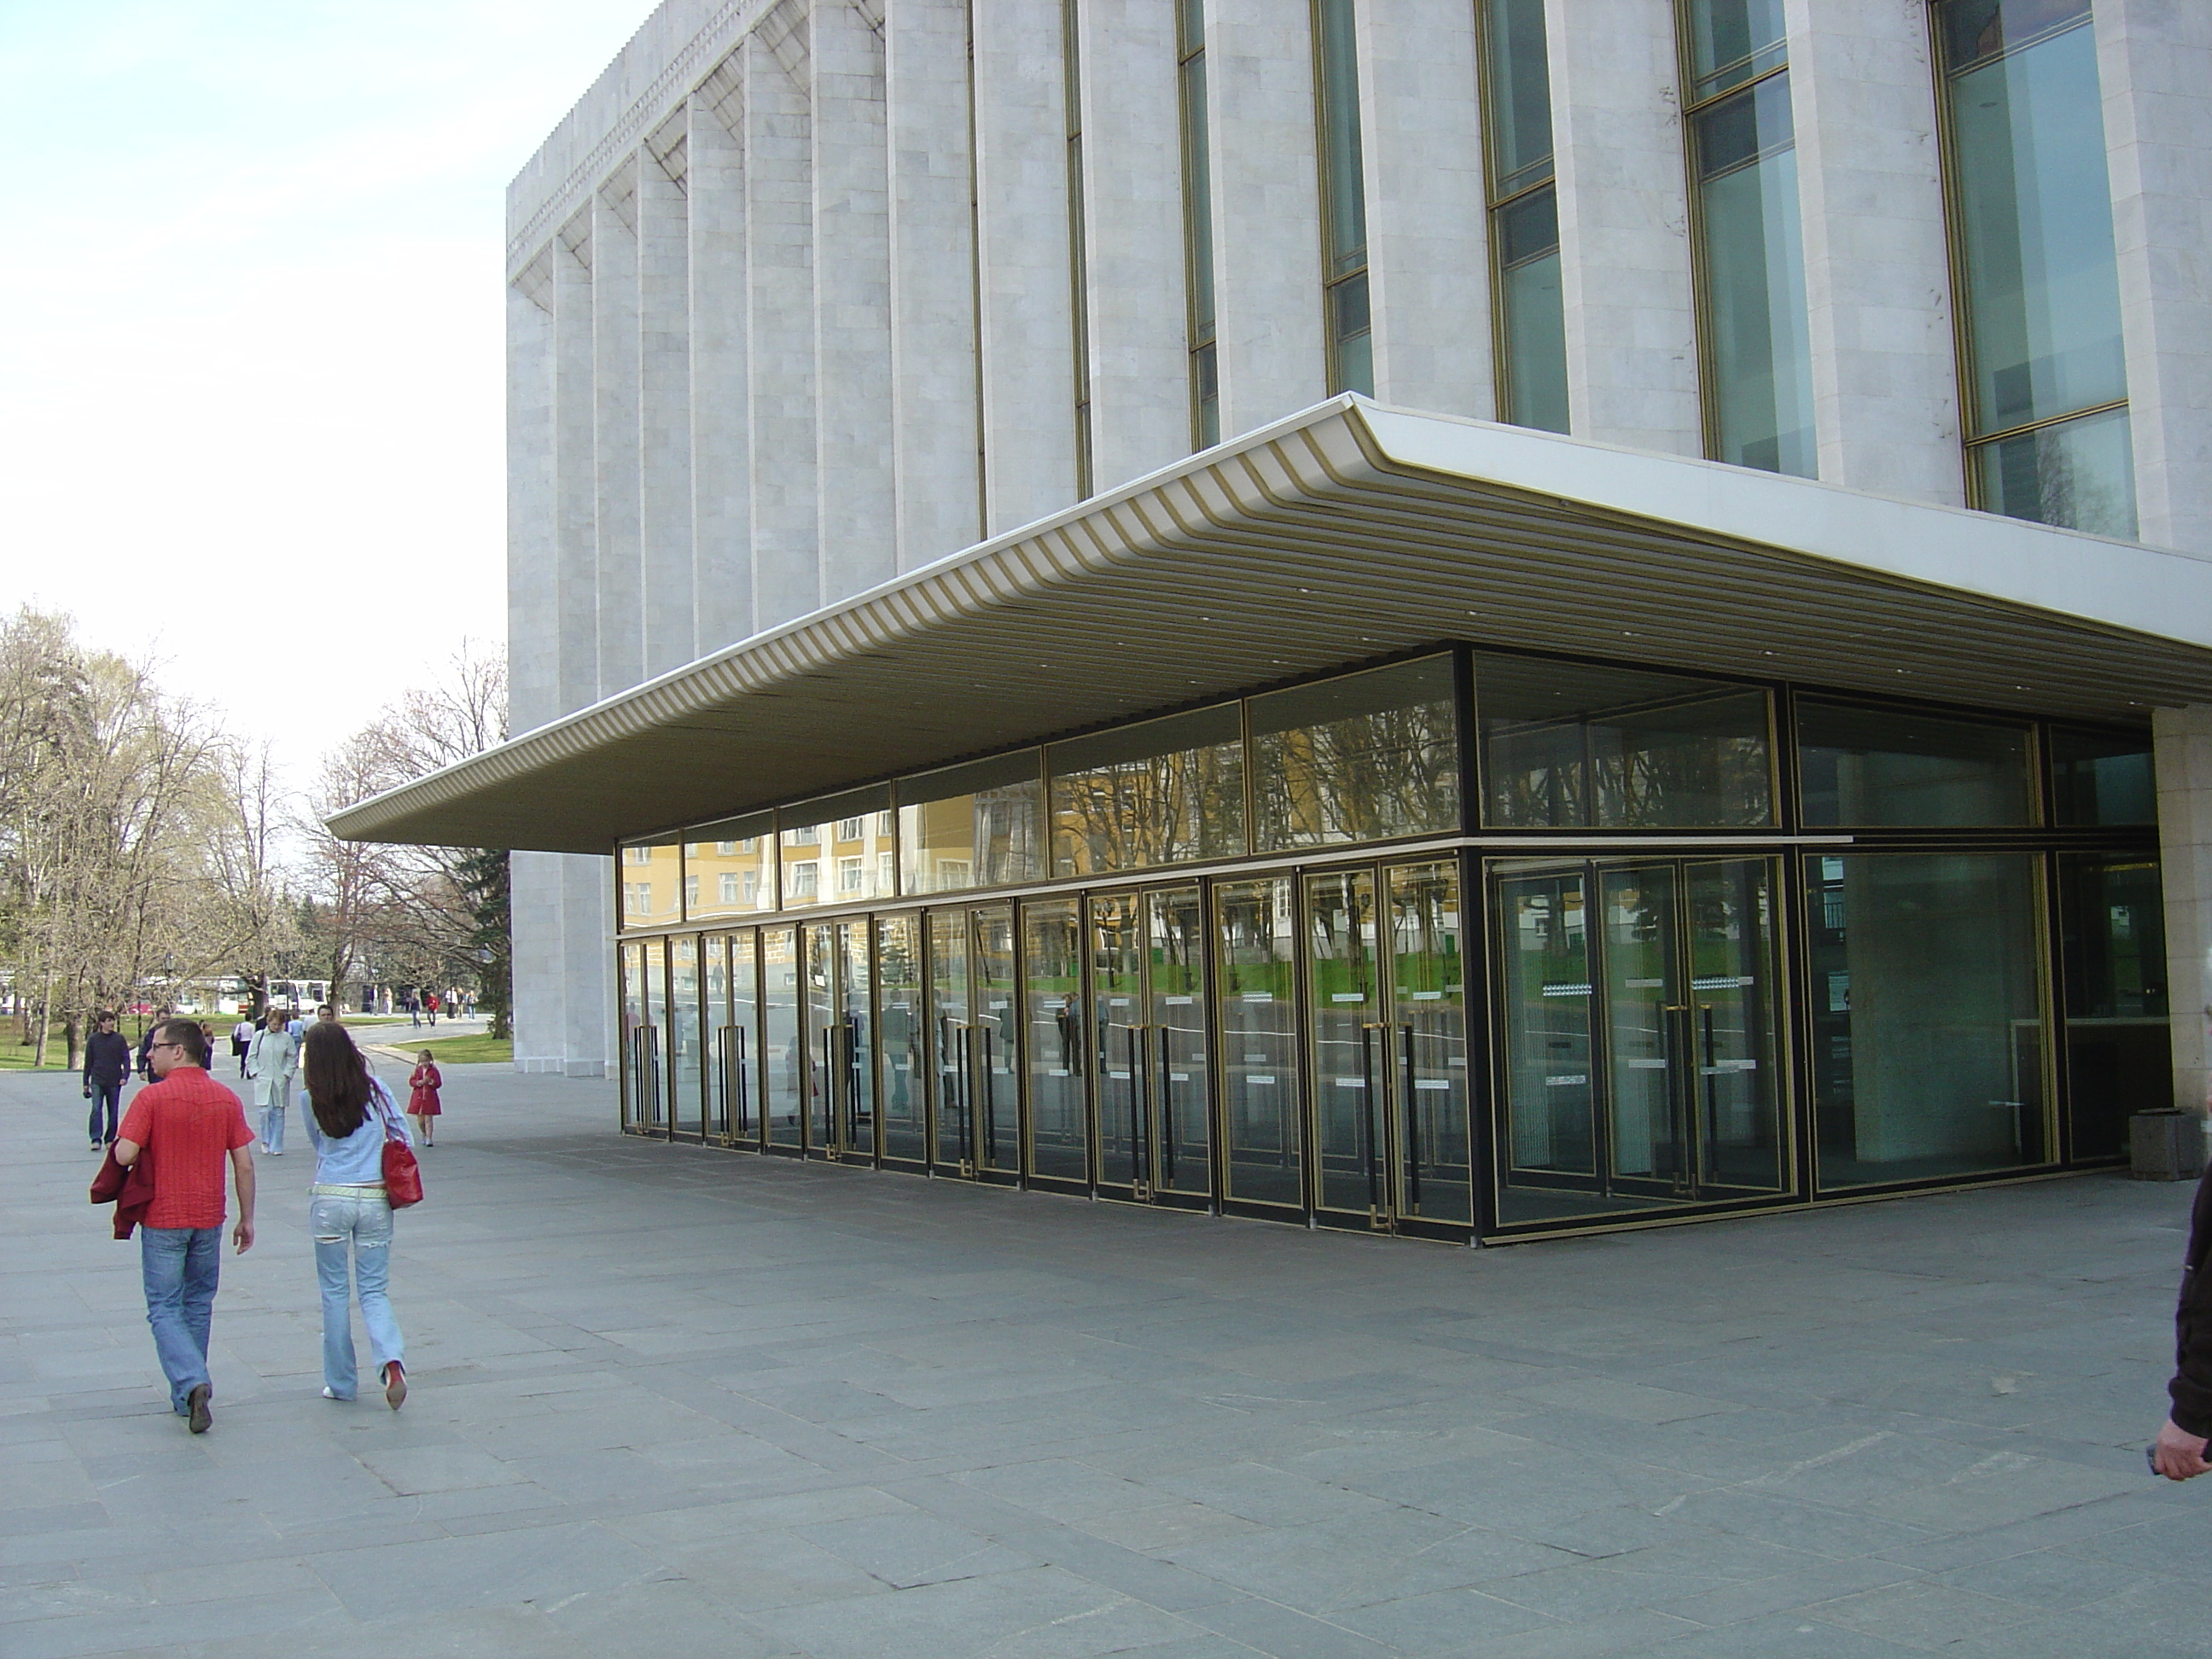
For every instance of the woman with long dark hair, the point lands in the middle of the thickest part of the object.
(349, 1116)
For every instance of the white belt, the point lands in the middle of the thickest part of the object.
(345, 1189)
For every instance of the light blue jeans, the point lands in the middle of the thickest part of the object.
(353, 1228)
(272, 1127)
(182, 1267)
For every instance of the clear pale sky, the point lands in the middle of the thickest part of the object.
(250, 382)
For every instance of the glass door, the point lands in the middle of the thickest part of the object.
(995, 1045)
(714, 982)
(1344, 1015)
(1052, 1010)
(654, 1044)
(636, 1072)
(738, 1047)
(1255, 958)
(1640, 1025)
(1118, 1055)
(975, 1041)
(1149, 1049)
(1386, 1008)
(1180, 1130)
(841, 1083)
(1428, 1071)
(903, 1025)
(687, 1101)
(854, 1048)
(950, 1045)
(783, 1052)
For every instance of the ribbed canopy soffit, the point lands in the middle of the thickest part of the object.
(1346, 533)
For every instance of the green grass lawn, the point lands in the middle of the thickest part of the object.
(476, 1050)
(15, 1055)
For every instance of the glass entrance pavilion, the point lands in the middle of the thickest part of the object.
(1466, 943)
(1399, 823)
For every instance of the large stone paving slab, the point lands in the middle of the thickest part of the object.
(673, 1401)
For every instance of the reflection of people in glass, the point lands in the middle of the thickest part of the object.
(1070, 1021)
(899, 1041)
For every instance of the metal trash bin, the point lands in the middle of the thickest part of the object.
(2166, 1146)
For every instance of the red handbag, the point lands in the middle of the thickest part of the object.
(402, 1176)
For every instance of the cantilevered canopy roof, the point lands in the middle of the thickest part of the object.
(1347, 531)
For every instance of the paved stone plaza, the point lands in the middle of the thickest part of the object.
(671, 1402)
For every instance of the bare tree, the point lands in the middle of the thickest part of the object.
(426, 915)
(103, 780)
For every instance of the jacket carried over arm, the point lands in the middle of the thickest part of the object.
(2192, 1388)
(131, 1189)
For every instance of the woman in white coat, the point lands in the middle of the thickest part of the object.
(270, 1065)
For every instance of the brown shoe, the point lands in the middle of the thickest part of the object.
(196, 1404)
(395, 1384)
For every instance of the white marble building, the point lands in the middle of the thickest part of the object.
(817, 305)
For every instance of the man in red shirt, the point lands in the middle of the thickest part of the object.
(189, 1123)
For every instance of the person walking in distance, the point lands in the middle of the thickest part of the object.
(270, 1063)
(146, 1042)
(188, 1124)
(422, 1086)
(350, 1115)
(241, 1039)
(106, 1065)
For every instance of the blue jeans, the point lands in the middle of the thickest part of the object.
(272, 1126)
(359, 1225)
(106, 1097)
(181, 1266)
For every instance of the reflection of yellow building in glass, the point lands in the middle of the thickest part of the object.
(733, 874)
(652, 885)
(846, 858)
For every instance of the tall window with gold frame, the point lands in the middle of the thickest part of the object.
(1530, 313)
(1345, 318)
(1197, 224)
(2045, 375)
(1752, 330)
(1079, 252)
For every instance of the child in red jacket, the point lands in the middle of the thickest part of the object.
(422, 1106)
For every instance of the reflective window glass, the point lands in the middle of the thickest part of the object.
(1928, 1027)
(736, 866)
(1518, 93)
(1732, 41)
(2097, 778)
(979, 825)
(2119, 1062)
(832, 847)
(652, 885)
(1878, 767)
(1534, 312)
(1568, 744)
(1360, 758)
(2077, 474)
(1255, 978)
(1760, 390)
(1161, 792)
(2034, 227)
(901, 1024)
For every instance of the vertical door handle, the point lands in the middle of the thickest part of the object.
(1167, 1108)
(1133, 1043)
(988, 1093)
(1367, 1123)
(742, 1104)
(1412, 1116)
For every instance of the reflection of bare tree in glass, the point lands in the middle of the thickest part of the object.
(1005, 835)
(1162, 810)
(1394, 772)
(1697, 761)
